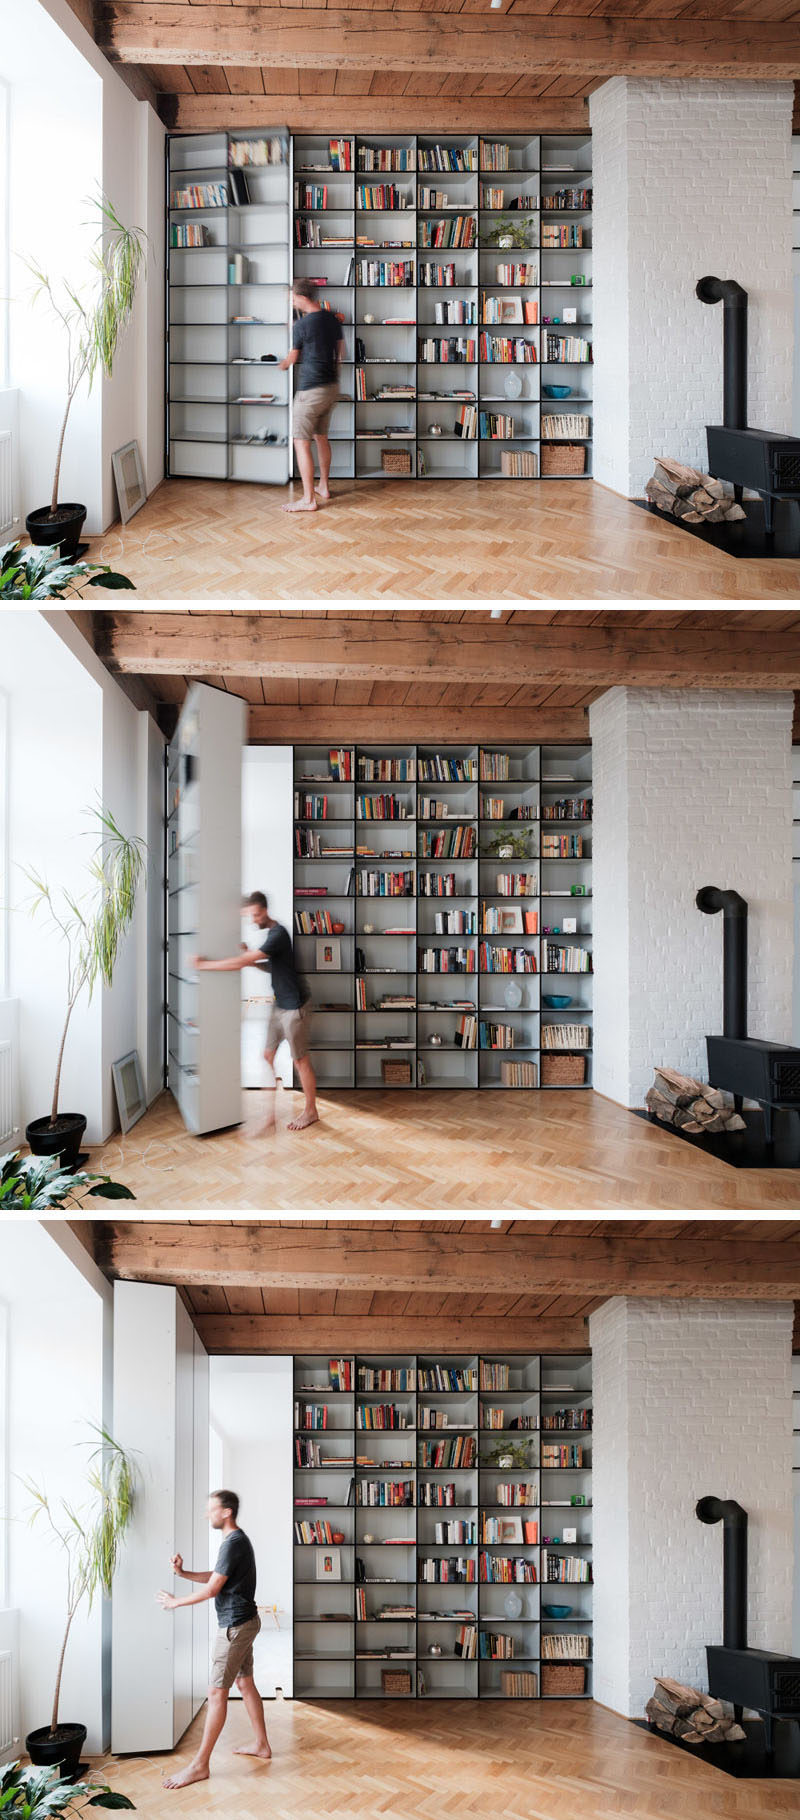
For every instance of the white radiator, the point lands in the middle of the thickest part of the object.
(9, 1130)
(6, 483)
(8, 1722)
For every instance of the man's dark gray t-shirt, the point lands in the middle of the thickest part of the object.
(316, 335)
(236, 1602)
(289, 988)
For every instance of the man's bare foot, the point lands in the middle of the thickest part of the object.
(253, 1750)
(195, 1773)
(303, 505)
(306, 1118)
(323, 494)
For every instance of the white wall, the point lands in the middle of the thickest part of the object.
(250, 1406)
(691, 788)
(690, 178)
(690, 1399)
(150, 957)
(267, 846)
(56, 1389)
(67, 102)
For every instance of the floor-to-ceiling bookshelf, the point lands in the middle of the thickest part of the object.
(429, 949)
(450, 336)
(228, 314)
(439, 1584)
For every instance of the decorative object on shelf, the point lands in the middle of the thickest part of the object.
(338, 1536)
(338, 928)
(93, 322)
(557, 391)
(556, 1001)
(512, 1605)
(563, 1070)
(434, 1040)
(369, 319)
(557, 1611)
(436, 429)
(570, 1535)
(367, 1539)
(569, 925)
(329, 955)
(512, 996)
(512, 385)
(506, 1455)
(434, 1649)
(328, 1564)
(507, 233)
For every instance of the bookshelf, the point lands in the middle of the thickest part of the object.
(430, 949)
(203, 887)
(228, 268)
(423, 1572)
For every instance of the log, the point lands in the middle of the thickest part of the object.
(678, 471)
(684, 1084)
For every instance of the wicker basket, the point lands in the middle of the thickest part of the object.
(562, 1070)
(395, 1680)
(396, 461)
(396, 1074)
(563, 458)
(563, 1678)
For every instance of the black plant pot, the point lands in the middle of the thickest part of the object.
(60, 1139)
(64, 527)
(61, 1750)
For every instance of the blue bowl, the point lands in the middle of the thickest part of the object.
(557, 1611)
(556, 1001)
(557, 391)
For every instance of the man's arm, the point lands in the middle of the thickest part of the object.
(250, 957)
(289, 360)
(185, 1573)
(214, 1585)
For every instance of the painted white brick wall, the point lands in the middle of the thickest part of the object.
(690, 788)
(689, 178)
(690, 1399)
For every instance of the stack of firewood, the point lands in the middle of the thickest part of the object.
(687, 493)
(678, 1099)
(694, 1717)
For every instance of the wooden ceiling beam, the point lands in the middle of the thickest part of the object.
(475, 651)
(277, 726)
(237, 1334)
(467, 1264)
(155, 31)
(370, 114)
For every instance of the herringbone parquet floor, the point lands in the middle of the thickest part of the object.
(453, 1150)
(386, 1760)
(219, 540)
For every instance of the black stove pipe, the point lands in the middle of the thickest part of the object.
(734, 1566)
(734, 954)
(734, 346)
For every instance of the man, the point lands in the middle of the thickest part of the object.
(232, 1586)
(317, 350)
(289, 1016)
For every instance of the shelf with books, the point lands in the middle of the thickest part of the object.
(324, 250)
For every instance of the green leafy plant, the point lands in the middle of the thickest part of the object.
(35, 1794)
(91, 1536)
(94, 321)
(510, 837)
(92, 930)
(509, 229)
(40, 572)
(33, 1183)
(515, 1453)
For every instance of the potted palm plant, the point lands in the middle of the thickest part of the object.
(92, 931)
(93, 322)
(91, 1538)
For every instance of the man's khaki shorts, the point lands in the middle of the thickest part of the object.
(312, 410)
(290, 1027)
(232, 1654)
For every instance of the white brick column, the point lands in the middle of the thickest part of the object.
(691, 788)
(690, 1399)
(690, 178)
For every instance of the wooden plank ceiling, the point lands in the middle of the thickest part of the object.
(366, 674)
(418, 1285)
(399, 64)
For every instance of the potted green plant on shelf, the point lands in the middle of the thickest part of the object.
(93, 322)
(92, 931)
(44, 574)
(91, 1538)
(34, 1183)
(509, 233)
(509, 845)
(507, 1454)
(36, 1794)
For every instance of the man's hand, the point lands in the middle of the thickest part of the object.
(167, 1600)
(197, 962)
(176, 1563)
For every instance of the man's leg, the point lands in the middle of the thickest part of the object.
(309, 1114)
(305, 462)
(269, 1057)
(216, 1714)
(324, 454)
(255, 1713)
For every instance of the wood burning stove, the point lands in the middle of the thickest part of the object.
(746, 1066)
(758, 1678)
(764, 460)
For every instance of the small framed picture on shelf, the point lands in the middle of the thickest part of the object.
(511, 921)
(569, 925)
(569, 1535)
(329, 1564)
(510, 1529)
(329, 954)
(569, 315)
(511, 309)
